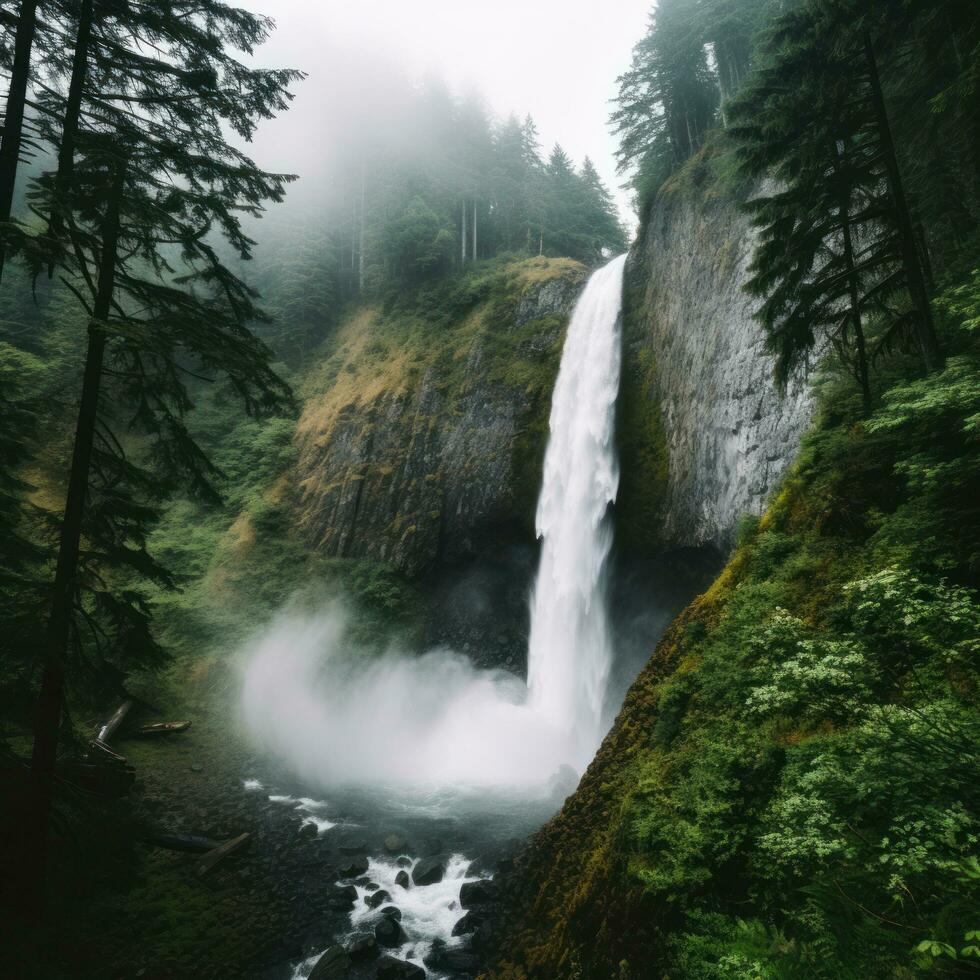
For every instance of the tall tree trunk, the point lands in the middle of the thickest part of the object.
(360, 249)
(932, 356)
(474, 229)
(464, 233)
(844, 198)
(49, 705)
(73, 108)
(13, 123)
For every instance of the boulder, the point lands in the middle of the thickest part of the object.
(388, 932)
(469, 923)
(474, 893)
(362, 947)
(354, 868)
(460, 961)
(333, 964)
(393, 912)
(428, 871)
(377, 899)
(307, 830)
(391, 968)
(402, 879)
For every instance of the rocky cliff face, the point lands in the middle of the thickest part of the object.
(422, 433)
(716, 434)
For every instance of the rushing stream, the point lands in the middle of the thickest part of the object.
(432, 734)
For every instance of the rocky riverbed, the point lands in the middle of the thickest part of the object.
(347, 883)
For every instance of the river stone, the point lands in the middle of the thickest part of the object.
(332, 965)
(354, 868)
(429, 871)
(469, 923)
(402, 879)
(363, 946)
(459, 961)
(347, 892)
(377, 899)
(475, 893)
(388, 932)
(391, 968)
(394, 844)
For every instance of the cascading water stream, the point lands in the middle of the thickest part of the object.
(569, 653)
(435, 720)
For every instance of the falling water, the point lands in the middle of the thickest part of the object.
(435, 720)
(569, 654)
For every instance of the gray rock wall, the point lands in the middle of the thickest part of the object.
(729, 433)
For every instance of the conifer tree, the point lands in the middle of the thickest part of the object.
(150, 184)
(837, 247)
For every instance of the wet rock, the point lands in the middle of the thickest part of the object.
(307, 830)
(377, 899)
(390, 968)
(346, 894)
(460, 961)
(394, 844)
(402, 879)
(197, 767)
(388, 932)
(428, 871)
(475, 893)
(354, 868)
(362, 947)
(404, 862)
(469, 923)
(371, 886)
(334, 964)
(393, 912)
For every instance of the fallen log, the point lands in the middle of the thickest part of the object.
(165, 728)
(100, 746)
(108, 729)
(193, 843)
(206, 863)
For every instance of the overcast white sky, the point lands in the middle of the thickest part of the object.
(557, 59)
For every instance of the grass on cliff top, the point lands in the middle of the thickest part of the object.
(790, 790)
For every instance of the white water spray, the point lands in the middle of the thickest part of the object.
(436, 719)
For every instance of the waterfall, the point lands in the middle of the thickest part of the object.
(435, 719)
(569, 653)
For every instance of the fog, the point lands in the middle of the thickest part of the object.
(338, 716)
(555, 59)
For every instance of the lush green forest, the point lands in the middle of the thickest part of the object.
(791, 788)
